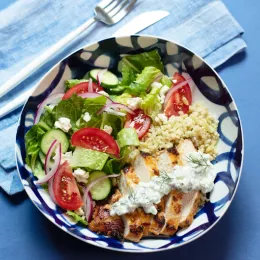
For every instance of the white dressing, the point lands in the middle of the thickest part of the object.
(197, 174)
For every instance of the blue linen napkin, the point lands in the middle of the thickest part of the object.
(28, 27)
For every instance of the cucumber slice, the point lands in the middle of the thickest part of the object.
(116, 91)
(50, 136)
(109, 79)
(102, 189)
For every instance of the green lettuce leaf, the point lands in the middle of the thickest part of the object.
(122, 98)
(38, 170)
(151, 103)
(128, 73)
(92, 106)
(139, 61)
(165, 81)
(73, 82)
(116, 122)
(47, 117)
(115, 165)
(77, 218)
(32, 144)
(88, 158)
(131, 65)
(127, 136)
(143, 81)
(70, 108)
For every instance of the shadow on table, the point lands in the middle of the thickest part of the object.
(14, 199)
(233, 61)
(214, 245)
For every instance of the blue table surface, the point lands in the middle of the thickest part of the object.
(27, 234)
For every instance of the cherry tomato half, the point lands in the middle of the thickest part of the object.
(95, 139)
(140, 121)
(65, 189)
(180, 100)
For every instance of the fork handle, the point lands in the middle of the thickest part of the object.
(39, 61)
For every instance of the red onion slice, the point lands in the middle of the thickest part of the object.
(87, 199)
(48, 100)
(107, 108)
(88, 205)
(94, 95)
(90, 86)
(100, 76)
(50, 172)
(174, 89)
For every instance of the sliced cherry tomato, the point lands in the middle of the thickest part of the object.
(140, 121)
(180, 99)
(95, 139)
(65, 189)
(82, 88)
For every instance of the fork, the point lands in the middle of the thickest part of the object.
(107, 11)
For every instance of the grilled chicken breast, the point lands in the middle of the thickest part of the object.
(173, 207)
(175, 210)
(190, 206)
(190, 200)
(104, 223)
(136, 223)
(158, 221)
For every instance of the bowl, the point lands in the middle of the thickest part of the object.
(208, 88)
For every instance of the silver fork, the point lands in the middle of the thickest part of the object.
(107, 11)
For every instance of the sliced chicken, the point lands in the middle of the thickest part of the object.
(145, 167)
(105, 224)
(174, 210)
(136, 223)
(191, 200)
(173, 207)
(185, 147)
(158, 221)
(190, 205)
(170, 215)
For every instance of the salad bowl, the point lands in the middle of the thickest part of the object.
(207, 87)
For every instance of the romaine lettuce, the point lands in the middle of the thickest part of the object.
(165, 81)
(122, 98)
(92, 106)
(47, 117)
(132, 65)
(139, 61)
(128, 73)
(73, 82)
(143, 81)
(77, 218)
(88, 158)
(116, 122)
(32, 143)
(70, 108)
(116, 165)
(151, 103)
(126, 137)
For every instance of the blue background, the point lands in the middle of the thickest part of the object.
(27, 234)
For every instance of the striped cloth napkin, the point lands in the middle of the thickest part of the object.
(28, 27)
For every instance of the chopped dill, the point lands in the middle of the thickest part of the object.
(200, 164)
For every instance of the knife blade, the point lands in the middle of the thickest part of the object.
(141, 22)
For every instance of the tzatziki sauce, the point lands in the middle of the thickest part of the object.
(196, 174)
